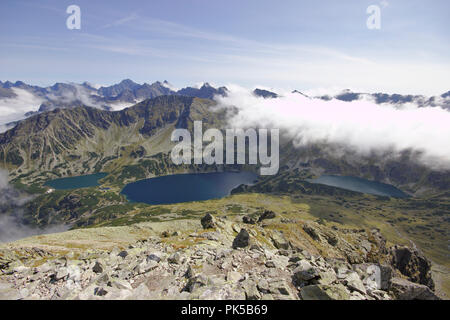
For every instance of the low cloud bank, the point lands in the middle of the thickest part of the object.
(12, 203)
(361, 126)
(79, 93)
(13, 109)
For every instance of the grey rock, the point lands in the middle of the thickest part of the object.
(61, 274)
(279, 286)
(98, 267)
(324, 292)
(195, 283)
(249, 220)
(326, 277)
(413, 264)
(354, 282)
(279, 241)
(208, 221)
(234, 276)
(312, 232)
(100, 291)
(305, 271)
(175, 258)
(153, 257)
(263, 286)
(242, 240)
(267, 214)
(251, 291)
(120, 284)
(403, 289)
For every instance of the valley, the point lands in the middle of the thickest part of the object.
(134, 144)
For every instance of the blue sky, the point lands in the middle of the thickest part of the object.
(300, 45)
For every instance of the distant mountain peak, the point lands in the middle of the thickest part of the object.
(299, 92)
(264, 93)
(128, 82)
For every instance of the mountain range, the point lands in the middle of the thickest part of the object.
(63, 95)
(128, 92)
(81, 140)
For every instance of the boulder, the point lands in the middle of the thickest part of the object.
(403, 289)
(354, 282)
(332, 239)
(242, 240)
(305, 271)
(280, 287)
(263, 286)
(98, 267)
(326, 277)
(153, 257)
(267, 214)
(248, 220)
(233, 276)
(312, 232)
(208, 221)
(251, 291)
(324, 292)
(279, 241)
(413, 264)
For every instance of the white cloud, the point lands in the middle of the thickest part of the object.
(11, 213)
(13, 109)
(121, 105)
(362, 126)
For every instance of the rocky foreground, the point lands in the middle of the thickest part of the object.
(263, 256)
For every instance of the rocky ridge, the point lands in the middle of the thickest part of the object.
(219, 257)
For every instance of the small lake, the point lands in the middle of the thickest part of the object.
(90, 180)
(360, 185)
(186, 187)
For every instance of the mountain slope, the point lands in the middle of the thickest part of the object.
(83, 139)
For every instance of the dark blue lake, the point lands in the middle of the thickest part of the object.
(90, 180)
(186, 187)
(360, 185)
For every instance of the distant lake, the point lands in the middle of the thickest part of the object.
(186, 187)
(360, 185)
(90, 180)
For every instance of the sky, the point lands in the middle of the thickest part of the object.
(303, 45)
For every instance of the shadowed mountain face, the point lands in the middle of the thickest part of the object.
(84, 139)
